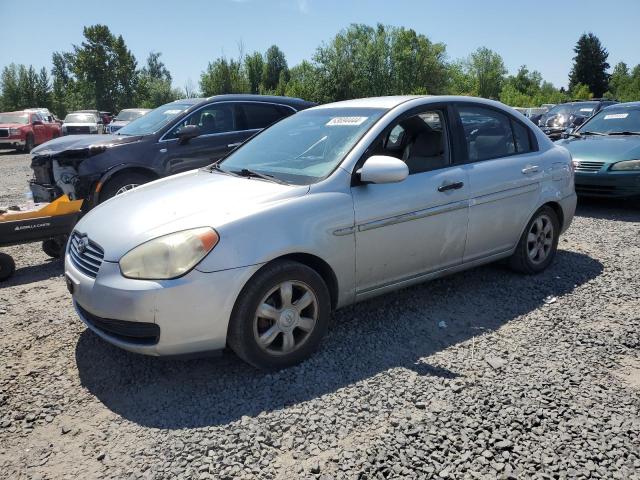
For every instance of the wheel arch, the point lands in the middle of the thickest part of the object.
(122, 170)
(557, 208)
(317, 264)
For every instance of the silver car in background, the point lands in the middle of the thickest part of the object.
(125, 117)
(82, 123)
(331, 206)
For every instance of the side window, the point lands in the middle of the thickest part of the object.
(260, 115)
(420, 140)
(215, 118)
(521, 137)
(488, 133)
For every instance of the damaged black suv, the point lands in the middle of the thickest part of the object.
(174, 138)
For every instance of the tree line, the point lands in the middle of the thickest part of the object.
(359, 61)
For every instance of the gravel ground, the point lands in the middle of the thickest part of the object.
(485, 374)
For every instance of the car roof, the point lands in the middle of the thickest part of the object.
(233, 97)
(394, 101)
(624, 105)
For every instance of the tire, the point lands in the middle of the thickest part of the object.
(53, 247)
(7, 266)
(306, 329)
(121, 182)
(28, 146)
(538, 244)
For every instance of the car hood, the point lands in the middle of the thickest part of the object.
(603, 149)
(189, 200)
(12, 125)
(81, 142)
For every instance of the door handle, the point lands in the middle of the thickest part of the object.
(530, 169)
(450, 186)
(234, 145)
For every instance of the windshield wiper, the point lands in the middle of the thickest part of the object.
(216, 167)
(623, 133)
(593, 133)
(245, 172)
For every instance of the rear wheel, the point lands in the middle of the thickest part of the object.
(7, 266)
(280, 316)
(123, 183)
(538, 244)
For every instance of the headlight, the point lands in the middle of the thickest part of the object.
(627, 165)
(14, 131)
(169, 256)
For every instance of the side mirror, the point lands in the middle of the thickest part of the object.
(187, 132)
(383, 169)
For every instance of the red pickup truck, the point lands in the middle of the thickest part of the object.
(25, 130)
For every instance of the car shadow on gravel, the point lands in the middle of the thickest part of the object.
(621, 210)
(391, 332)
(35, 273)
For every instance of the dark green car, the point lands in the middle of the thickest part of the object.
(606, 152)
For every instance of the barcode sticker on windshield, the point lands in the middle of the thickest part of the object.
(348, 121)
(586, 109)
(613, 116)
(171, 112)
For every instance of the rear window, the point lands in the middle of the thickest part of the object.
(261, 115)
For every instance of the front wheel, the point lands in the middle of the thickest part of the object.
(538, 244)
(7, 266)
(280, 316)
(122, 183)
(28, 145)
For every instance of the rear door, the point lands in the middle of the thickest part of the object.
(505, 173)
(220, 133)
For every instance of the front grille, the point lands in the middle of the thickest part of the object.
(72, 130)
(589, 166)
(4, 132)
(142, 333)
(85, 254)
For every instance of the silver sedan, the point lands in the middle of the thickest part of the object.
(331, 206)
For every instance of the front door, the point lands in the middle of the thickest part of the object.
(219, 135)
(407, 229)
(504, 180)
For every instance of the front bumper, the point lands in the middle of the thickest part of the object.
(12, 143)
(191, 313)
(608, 184)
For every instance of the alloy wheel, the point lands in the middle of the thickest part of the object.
(540, 239)
(285, 318)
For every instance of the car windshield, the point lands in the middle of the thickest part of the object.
(154, 120)
(614, 120)
(305, 147)
(129, 115)
(21, 118)
(80, 118)
(584, 108)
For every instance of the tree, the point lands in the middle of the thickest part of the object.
(486, 70)
(303, 82)
(527, 89)
(11, 96)
(275, 63)
(254, 67)
(223, 76)
(581, 92)
(590, 65)
(366, 61)
(190, 89)
(155, 68)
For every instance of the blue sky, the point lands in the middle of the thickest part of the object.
(190, 33)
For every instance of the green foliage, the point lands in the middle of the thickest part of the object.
(254, 66)
(590, 65)
(481, 74)
(624, 85)
(526, 89)
(581, 91)
(223, 76)
(275, 66)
